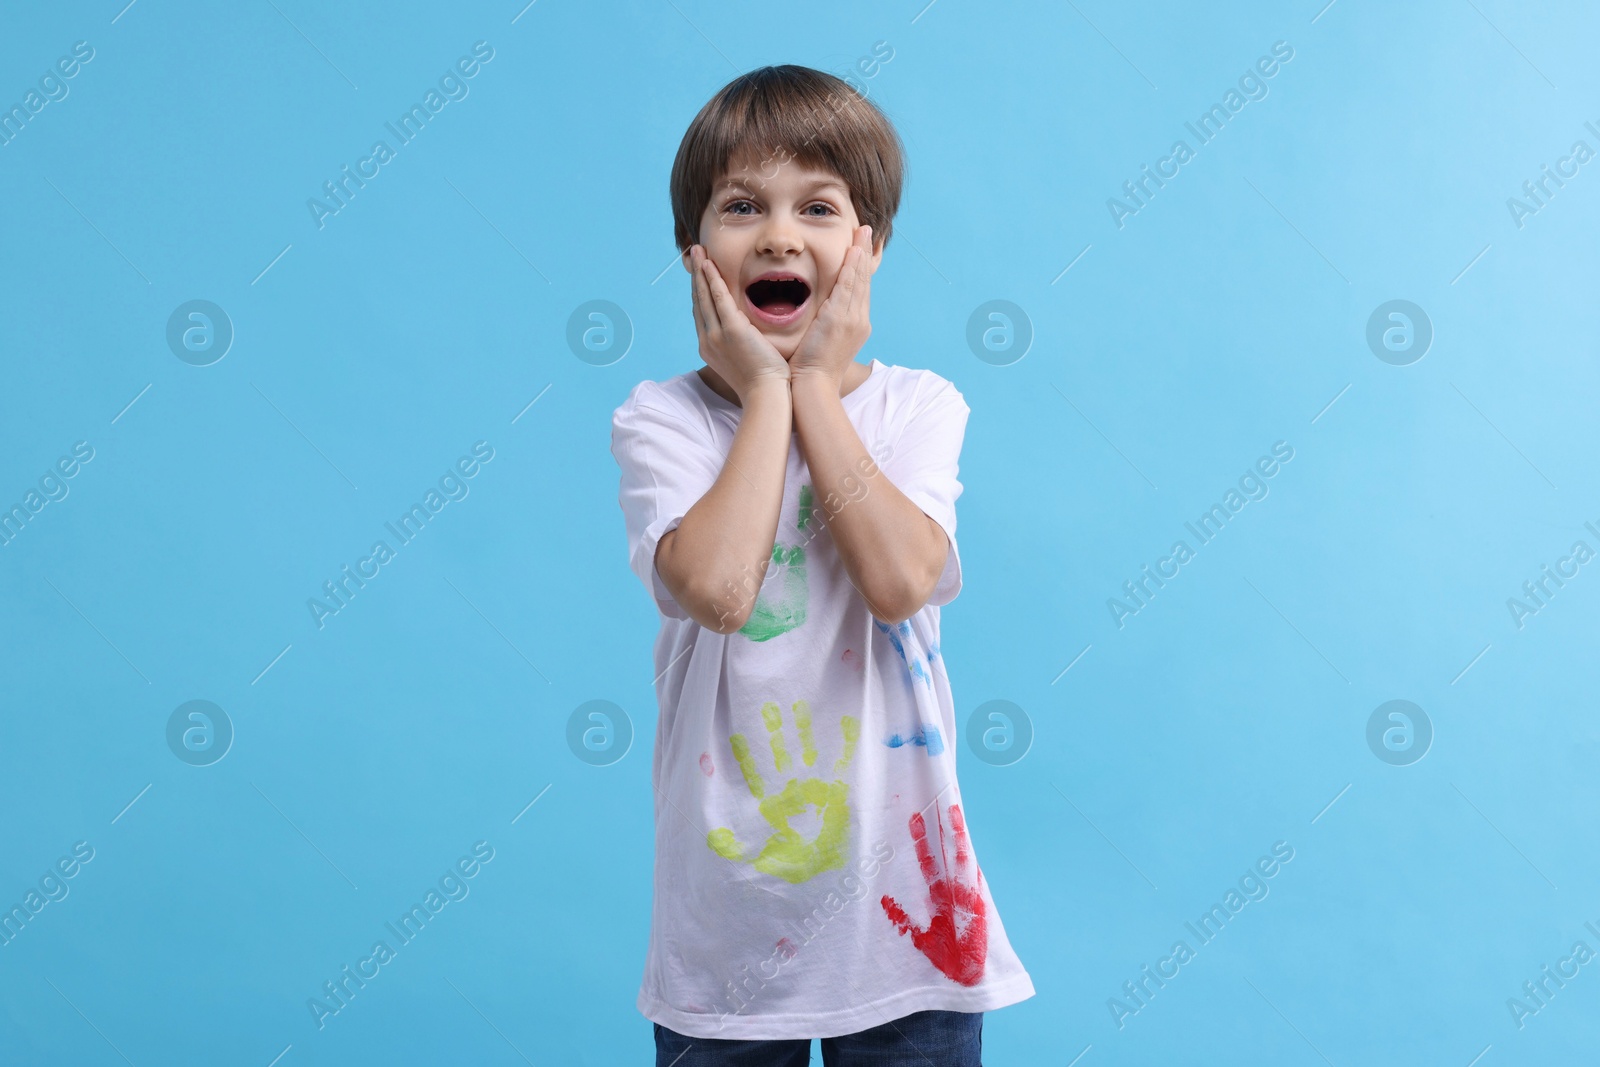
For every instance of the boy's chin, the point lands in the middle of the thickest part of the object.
(786, 341)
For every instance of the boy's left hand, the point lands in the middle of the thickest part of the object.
(843, 324)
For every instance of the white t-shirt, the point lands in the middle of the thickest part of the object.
(813, 873)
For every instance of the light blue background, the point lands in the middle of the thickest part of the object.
(1223, 317)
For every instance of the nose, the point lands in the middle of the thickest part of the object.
(779, 237)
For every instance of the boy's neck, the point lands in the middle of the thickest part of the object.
(854, 375)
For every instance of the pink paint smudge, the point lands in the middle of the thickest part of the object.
(705, 764)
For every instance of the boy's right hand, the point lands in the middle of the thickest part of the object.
(729, 343)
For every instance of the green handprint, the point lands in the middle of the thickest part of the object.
(786, 854)
(785, 608)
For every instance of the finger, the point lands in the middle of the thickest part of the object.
(844, 283)
(866, 268)
(850, 729)
(861, 247)
(802, 722)
(919, 836)
(694, 287)
(963, 845)
(898, 916)
(708, 314)
(747, 766)
(853, 278)
(859, 288)
(702, 284)
(695, 274)
(721, 298)
(772, 715)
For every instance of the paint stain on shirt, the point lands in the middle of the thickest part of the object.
(900, 636)
(927, 735)
(781, 600)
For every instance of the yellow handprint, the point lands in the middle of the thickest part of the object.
(786, 854)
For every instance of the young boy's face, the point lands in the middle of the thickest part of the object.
(778, 233)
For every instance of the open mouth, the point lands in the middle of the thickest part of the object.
(778, 300)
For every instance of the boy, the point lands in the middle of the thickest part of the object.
(792, 511)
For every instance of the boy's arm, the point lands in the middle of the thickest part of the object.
(892, 551)
(715, 559)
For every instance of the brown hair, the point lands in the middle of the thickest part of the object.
(790, 113)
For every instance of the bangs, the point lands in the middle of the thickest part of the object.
(803, 128)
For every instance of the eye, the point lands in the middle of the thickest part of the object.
(827, 209)
(732, 204)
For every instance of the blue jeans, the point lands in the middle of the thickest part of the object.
(921, 1039)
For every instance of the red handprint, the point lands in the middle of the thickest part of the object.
(959, 953)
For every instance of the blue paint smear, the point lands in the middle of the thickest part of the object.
(884, 629)
(914, 667)
(927, 735)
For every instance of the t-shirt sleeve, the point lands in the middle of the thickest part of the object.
(667, 465)
(922, 461)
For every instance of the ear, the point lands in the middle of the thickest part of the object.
(877, 252)
(688, 263)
